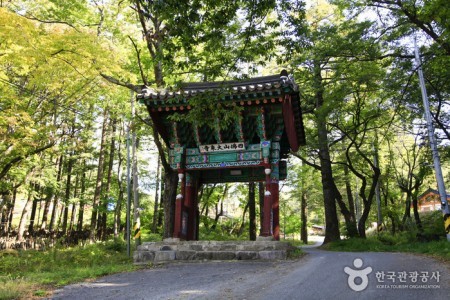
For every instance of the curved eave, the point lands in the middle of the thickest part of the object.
(179, 99)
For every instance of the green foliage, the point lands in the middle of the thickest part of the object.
(208, 40)
(225, 230)
(30, 271)
(147, 236)
(295, 253)
(14, 288)
(51, 93)
(217, 115)
(393, 243)
(433, 225)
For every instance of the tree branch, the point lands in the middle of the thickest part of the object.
(138, 54)
(133, 87)
(158, 143)
(313, 165)
(17, 159)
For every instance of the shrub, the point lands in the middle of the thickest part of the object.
(118, 245)
(14, 288)
(433, 226)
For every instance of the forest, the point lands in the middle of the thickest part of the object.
(72, 132)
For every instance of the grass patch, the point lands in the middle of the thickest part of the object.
(33, 273)
(147, 236)
(14, 288)
(388, 243)
(295, 253)
(298, 243)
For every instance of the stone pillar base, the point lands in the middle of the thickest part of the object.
(265, 238)
(171, 240)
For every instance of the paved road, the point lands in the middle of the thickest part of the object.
(318, 275)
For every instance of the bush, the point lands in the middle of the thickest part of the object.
(433, 226)
(118, 245)
(400, 238)
(392, 243)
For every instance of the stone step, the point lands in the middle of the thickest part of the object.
(172, 255)
(210, 250)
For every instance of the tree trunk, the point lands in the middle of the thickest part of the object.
(98, 182)
(108, 179)
(205, 209)
(367, 200)
(393, 218)
(252, 211)
(329, 198)
(117, 214)
(219, 213)
(7, 200)
(161, 211)
(67, 194)
(351, 225)
(304, 219)
(33, 213)
(74, 206)
(155, 207)
(60, 218)
(170, 193)
(328, 184)
(241, 228)
(48, 200)
(6, 196)
(349, 214)
(33, 216)
(407, 212)
(365, 214)
(11, 210)
(118, 210)
(350, 222)
(56, 198)
(82, 201)
(23, 218)
(416, 214)
(73, 213)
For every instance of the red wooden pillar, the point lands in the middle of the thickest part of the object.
(267, 216)
(274, 189)
(190, 207)
(179, 207)
(196, 209)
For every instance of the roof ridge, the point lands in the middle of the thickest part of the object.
(229, 83)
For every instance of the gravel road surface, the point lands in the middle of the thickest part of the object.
(317, 275)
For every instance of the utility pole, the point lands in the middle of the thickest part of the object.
(433, 145)
(136, 208)
(128, 193)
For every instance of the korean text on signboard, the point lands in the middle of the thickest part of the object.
(221, 147)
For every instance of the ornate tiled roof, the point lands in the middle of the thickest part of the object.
(277, 97)
(265, 86)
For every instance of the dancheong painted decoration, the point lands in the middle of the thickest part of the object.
(251, 148)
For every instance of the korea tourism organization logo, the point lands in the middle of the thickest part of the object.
(358, 278)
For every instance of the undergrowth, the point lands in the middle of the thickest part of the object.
(30, 273)
(393, 243)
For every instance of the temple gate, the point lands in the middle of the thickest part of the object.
(253, 148)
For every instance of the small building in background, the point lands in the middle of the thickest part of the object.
(429, 201)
